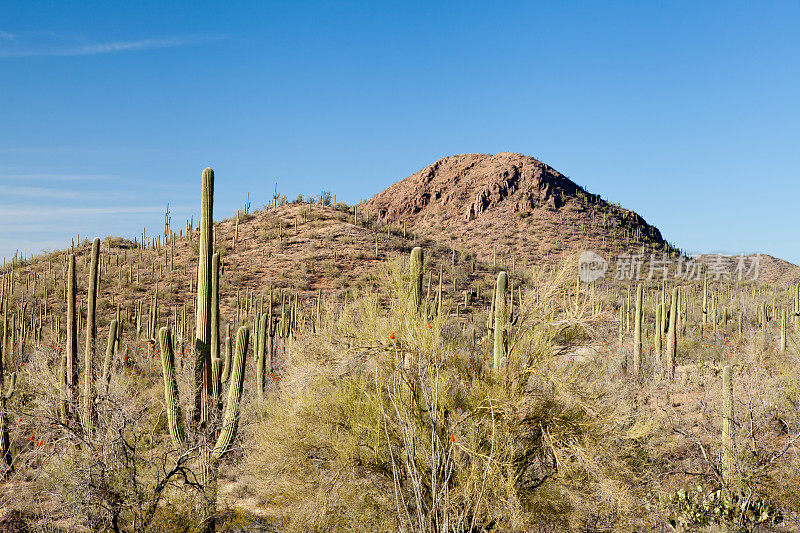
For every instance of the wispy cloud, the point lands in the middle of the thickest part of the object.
(38, 211)
(102, 47)
(56, 193)
(6, 35)
(18, 178)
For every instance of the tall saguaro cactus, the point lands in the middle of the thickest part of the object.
(71, 363)
(658, 337)
(783, 331)
(500, 319)
(6, 463)
(415, 267)
(91, 338)
(202, 385)
(206, 382)
(672, 335)
(637, 335)
(261, 348)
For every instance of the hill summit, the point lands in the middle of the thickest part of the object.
(509, 203)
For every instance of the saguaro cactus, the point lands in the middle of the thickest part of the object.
(637, 335)
(783, 331)
(200, 429)
(71, 363)
(658, 334)
(230, 418)
(202, 383)
(705, 303)
(112, 337)
(500, 320)
(91, 338)
(672, 339)
(727, 425)
(6, 463)
(621, 344)
(261, 346)
(415, 268)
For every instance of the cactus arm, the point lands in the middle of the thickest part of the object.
(174, 418)
(230, 420)
(216, 385)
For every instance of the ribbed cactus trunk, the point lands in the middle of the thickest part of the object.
(112, 338)
(783, 331)
(71, 352)
(271, 326)
(658, 336)
(705, 303)
(621, 344)
(727, 426)
(91, 339)
(216, 384)
(500, 320)
(415, 267)
(6, 462)
(202, 383)
(261, 354)
(672, 339)
(637, 335)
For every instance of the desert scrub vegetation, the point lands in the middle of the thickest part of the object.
(382, 422)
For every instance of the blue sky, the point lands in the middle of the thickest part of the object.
(687, 112)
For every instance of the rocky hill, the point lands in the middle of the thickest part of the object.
(760, 267)
(513, 205)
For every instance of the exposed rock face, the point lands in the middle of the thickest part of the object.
(510, 202)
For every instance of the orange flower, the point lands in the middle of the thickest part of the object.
(429, 325)
(40, 443)
(452, 438)
(19, 421)
(391, 336)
